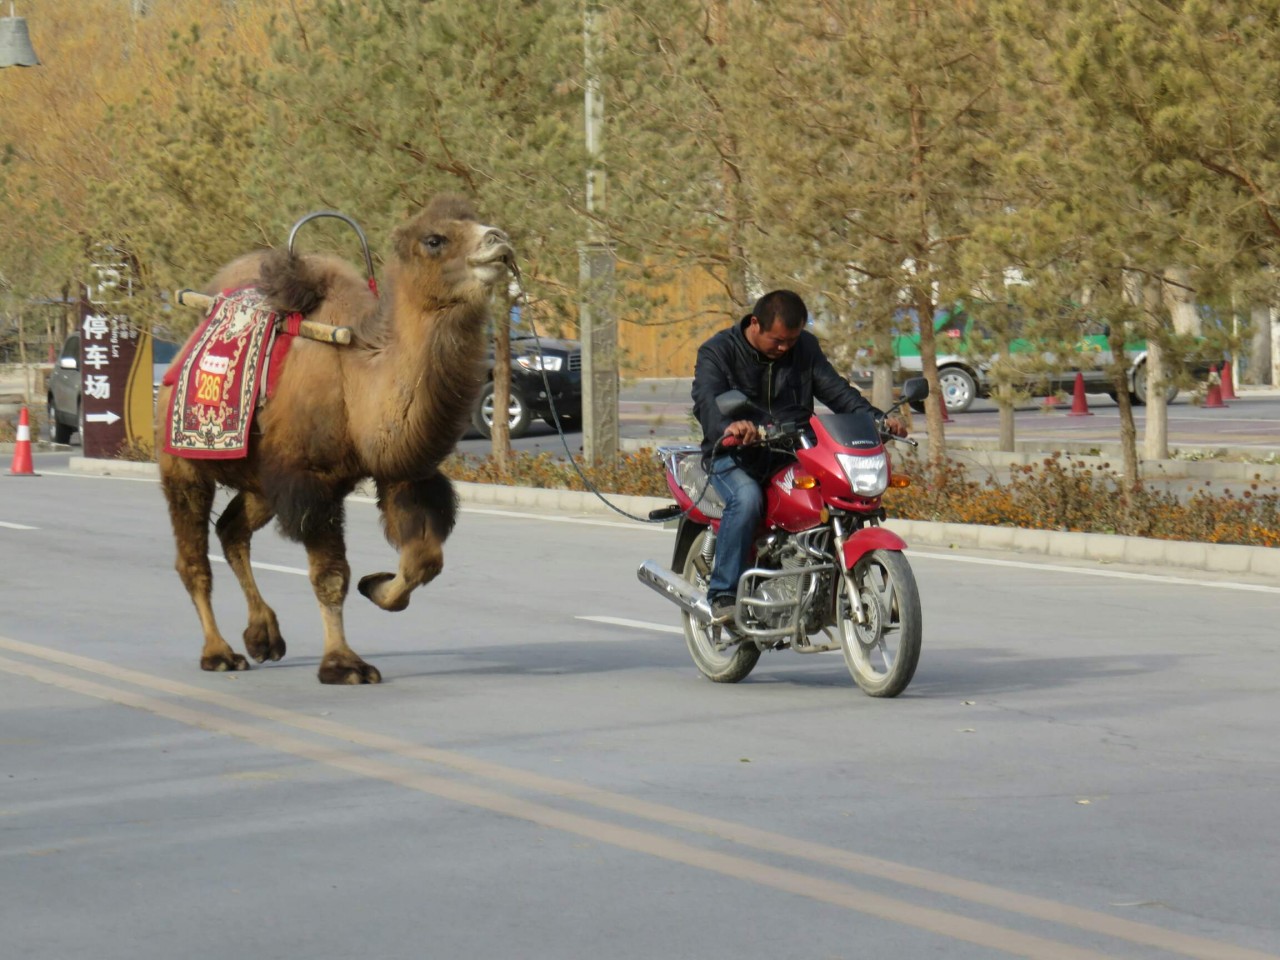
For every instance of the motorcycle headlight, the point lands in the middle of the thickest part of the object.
(868, 476)
(532, 361)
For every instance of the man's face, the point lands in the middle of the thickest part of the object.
(773, 342)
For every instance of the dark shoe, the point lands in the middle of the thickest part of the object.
(722, 608)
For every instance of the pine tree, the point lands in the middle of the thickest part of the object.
(877, 144)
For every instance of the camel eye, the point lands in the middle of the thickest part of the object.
(434, 243)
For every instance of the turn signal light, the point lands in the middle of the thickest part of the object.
(900, 480)
(805, 482)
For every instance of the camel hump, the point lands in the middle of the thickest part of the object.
(294, 284)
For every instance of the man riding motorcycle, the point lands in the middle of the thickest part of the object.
(780, 367)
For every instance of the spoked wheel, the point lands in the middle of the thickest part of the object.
(883, 652)
(727, 665)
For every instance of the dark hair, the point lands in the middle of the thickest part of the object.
(784, 305)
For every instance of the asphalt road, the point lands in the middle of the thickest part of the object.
(659, 409)
(1085, 765)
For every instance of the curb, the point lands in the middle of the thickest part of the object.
(1099, 547)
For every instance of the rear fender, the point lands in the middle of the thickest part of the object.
(867, 539)
(685, 532)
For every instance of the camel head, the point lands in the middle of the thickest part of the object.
(445, 256)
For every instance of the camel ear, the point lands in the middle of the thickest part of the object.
(402, 240)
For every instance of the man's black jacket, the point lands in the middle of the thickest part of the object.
(784, 388)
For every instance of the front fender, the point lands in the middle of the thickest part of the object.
(867, 539)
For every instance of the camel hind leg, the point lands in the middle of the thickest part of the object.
(418, 517)
(246, 513)
(190, 499)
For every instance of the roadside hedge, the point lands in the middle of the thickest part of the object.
(1057, 493)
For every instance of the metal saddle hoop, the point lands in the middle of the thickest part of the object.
(364, 244)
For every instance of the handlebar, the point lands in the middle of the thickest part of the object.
(772, 432)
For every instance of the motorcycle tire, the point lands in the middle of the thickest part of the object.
(723, 666)
(881, 654)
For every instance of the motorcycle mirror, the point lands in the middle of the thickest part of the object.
(915, 389)
(733, 403)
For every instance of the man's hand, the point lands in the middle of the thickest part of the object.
(744, 430)
(895, 426)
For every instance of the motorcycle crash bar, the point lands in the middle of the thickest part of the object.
(676, 589)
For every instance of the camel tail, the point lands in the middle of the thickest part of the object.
(291, 284)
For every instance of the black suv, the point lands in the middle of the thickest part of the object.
(531, 357)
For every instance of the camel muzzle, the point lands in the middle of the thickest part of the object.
(495, 246)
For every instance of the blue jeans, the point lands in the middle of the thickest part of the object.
(743, 506)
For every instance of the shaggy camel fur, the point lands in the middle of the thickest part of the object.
(390, 406)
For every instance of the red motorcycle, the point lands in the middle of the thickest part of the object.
(825, 574)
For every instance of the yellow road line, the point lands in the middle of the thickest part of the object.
(936, 921)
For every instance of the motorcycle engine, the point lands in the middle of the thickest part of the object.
(779, 552)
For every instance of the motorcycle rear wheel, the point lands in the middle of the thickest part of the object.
(882, 653)
(723, 666)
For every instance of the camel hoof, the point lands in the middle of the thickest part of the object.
(349, 672)
(224, 663)
(263, 641)
(374, 587)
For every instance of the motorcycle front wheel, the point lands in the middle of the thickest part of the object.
(730, 664)
(881, 653)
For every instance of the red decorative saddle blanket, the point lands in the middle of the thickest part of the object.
(217, 383)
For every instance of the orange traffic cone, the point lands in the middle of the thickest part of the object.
(1228, 388)
(1079, 406)
(1213, 397)
(21, 466)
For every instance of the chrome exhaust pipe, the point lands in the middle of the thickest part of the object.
(676, 589)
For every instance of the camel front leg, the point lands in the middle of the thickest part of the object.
(330, 577)
(190, 499)
(418, 517)
(246, 513)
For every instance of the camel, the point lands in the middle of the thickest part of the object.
(390, 406)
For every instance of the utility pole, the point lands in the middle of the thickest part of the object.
(597, 320)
